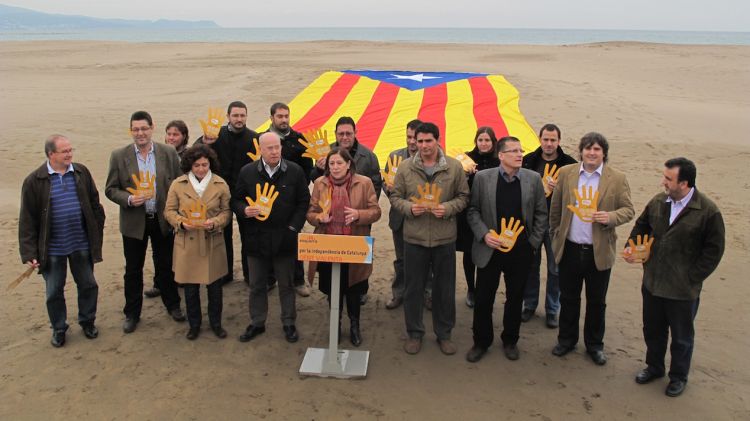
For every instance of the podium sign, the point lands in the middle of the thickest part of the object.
(336, 249)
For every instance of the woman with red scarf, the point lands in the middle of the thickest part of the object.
(353, 209)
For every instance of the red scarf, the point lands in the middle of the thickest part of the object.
(339, 200)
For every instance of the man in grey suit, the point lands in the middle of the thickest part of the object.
(138, 180)
(515, 196)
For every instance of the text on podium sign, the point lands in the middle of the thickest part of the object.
(334, 248)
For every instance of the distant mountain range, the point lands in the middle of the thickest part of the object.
(18, 18)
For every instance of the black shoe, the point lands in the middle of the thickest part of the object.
(647, 376)
(90, 331)
(290, 333)
(58, 338)
(193, 333)
(475, 354)
(152, 293)
(675, 388)
(552, 322)
(363, 299)
(470, 299)
(130, 324)
(559, 350)
(177, 315)
(598, 357)
(355, 336)
(219, 332)
(511, 352)
(527, 314)
(251, 332)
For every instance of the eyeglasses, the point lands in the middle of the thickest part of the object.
(65, 151)
(140, 129)
(512, 151)
(345, 134)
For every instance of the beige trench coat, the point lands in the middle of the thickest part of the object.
(199, 256)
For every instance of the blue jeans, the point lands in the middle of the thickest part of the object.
(82, 268)
(531, 294)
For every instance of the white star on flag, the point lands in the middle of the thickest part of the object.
(419, 77)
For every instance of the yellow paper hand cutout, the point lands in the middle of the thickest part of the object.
(508, 234)
(586, 204)
(640, 250)
(550, 174)
(390, 176)
(429, 195)
(212, 126)
(256, 155)
(466, 161)
(195, 214)
(317, 147)
(263, 200)
(144, 185)
(325, 204)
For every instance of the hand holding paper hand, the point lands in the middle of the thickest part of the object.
(195, 214)
(213, 125)
(144, 185)
(466, 162)
(317, 147)
(264, 199)
(508, 234)
(254, 156)
(429, 195)
(638, 251)
(390, 176)
(549, 179)
(586, 204)
(325, 207)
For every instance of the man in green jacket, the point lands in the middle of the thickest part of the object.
(687, 231)
(430, 189)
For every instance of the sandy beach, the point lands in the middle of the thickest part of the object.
(652, 101)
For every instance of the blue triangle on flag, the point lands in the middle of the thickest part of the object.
(413, 80)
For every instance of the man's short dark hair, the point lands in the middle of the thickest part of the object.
(412, 125)
(550, 127)
(278, 105)
(500, 146)
(195, 153)
(428, 128)
(141, 115)
(686, 170)
(345, 120)
(593, 138)
(236, 104)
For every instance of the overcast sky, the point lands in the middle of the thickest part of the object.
(712, 15)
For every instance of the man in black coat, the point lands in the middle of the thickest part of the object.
(272, 220)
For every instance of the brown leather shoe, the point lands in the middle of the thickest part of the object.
(413, 345)
(447, 346)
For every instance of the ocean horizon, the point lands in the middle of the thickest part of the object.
(426, 35)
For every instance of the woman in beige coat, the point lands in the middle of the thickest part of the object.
(353, 208)
(198, 209)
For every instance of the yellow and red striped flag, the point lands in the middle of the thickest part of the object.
(382, 102)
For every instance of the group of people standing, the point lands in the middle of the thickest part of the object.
(496, 204)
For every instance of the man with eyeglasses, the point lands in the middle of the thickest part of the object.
(514, 197)
(589, 201)
(364, 160)
(142, 215)
(61, 222)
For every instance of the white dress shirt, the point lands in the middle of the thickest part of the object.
(580, 232)
(679, 205)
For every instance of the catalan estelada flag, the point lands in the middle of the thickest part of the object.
(382, 102)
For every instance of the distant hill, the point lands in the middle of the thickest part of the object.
(18, 18)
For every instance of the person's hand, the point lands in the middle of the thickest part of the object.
(638, 251)
(251, 211)
(317, 147)
(438, 211)
(321, 163)
(33, 263)
(390, 176)
(264, 199)
(429, 195)
(492, 239)
(254, 156)
(549, 179)
(208, 140)
(586, 204)
(508, 234)
(417, 209)
(208, 224)
(144, 185)
(187, 226)
(601, 217)
(351, 215)
(136, 201)
(212, 126)
(467, 163)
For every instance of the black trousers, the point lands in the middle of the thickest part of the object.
(135, 256)
(193, 304)
(515, 267)
(577, 265)
(660, 316)
(228, 233)
(350, 293)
